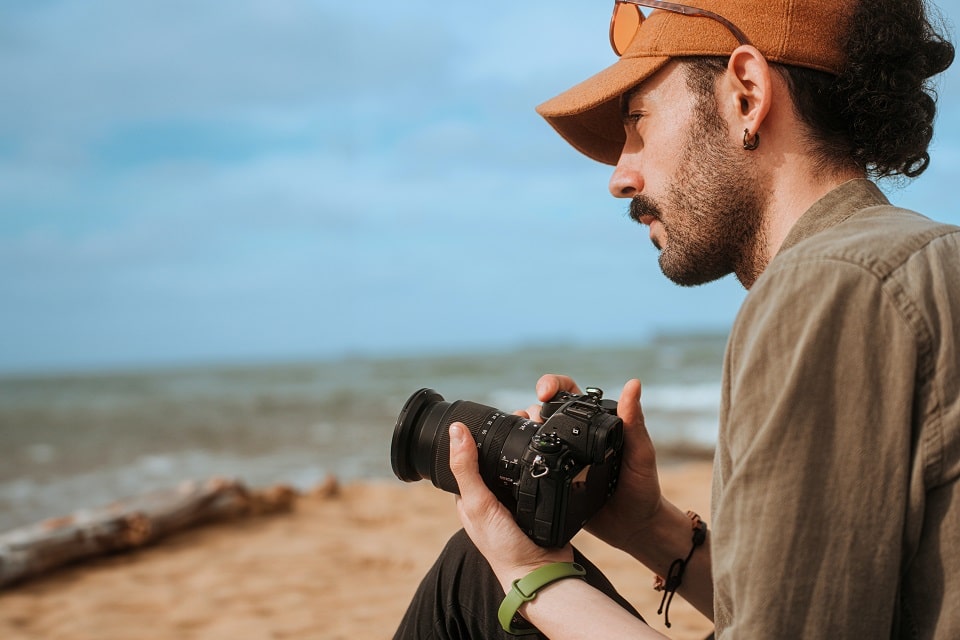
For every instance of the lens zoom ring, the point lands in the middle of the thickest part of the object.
(495, 447)
(473, 415)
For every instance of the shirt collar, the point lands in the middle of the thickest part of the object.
(834, 208)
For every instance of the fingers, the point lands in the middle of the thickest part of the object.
(636, 437)
(485, 519)
(551, 384)
(490, 525)
(533, 412)
(628, 407)
(547, 387)
(463, 459)
(476, 498)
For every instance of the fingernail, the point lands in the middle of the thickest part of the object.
(541, 386)
(456, 433)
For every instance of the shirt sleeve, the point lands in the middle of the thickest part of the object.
(813, 456)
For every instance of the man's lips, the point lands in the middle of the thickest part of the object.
(643, 210)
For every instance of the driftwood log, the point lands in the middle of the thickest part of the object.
(128, 524)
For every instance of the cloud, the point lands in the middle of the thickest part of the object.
(202, 180)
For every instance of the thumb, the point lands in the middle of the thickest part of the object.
(630, 411)
(463, 458)
(628, 408)
(636, 436)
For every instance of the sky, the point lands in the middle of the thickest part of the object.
(191, 182)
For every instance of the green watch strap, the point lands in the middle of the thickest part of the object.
(525, 589)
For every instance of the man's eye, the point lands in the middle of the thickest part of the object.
(634, 118)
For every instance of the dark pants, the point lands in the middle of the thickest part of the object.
(459, 597)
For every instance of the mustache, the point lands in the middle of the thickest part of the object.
(641, 206)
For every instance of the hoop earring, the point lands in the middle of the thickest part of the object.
(749, 144)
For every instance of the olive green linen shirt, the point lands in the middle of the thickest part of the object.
(836, 508)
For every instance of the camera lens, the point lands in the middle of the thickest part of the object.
(421, 442)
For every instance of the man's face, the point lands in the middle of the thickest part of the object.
(689, 181)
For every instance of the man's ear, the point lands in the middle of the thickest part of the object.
(748, 88)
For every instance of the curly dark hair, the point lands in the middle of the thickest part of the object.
(878, 114)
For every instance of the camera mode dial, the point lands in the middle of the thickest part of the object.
(547, 442)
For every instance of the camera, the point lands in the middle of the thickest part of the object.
(552, 476)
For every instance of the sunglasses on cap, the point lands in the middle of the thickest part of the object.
(627, 18)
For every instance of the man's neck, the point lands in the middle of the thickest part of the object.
(791, 195)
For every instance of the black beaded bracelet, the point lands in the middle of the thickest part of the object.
(674, 577)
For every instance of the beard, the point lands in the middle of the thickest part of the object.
(712, 213)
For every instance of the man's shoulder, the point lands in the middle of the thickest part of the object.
(880, 239)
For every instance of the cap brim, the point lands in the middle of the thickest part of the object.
(588, 115)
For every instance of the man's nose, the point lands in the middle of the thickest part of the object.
(626, 180)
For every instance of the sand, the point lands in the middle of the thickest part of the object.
(337, 566)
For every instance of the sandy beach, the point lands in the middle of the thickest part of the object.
(342, 564)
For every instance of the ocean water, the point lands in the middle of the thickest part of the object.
(82, 440)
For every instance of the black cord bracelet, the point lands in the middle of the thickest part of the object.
(674, 577)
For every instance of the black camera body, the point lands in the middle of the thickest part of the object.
(552, 476)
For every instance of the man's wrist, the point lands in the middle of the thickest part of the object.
(665, 537)
(523, 590)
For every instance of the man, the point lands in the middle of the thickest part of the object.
(743, 134)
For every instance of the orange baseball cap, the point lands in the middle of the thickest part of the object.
(803, 33)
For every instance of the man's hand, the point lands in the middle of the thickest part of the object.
(621, 522)
(489, 524)
(574, 608)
